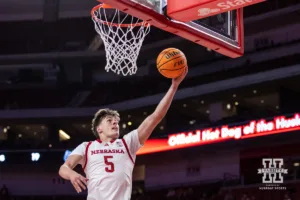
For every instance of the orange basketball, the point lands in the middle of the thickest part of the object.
(171, 63)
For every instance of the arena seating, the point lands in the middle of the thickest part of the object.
(192, 193)
(36, 98)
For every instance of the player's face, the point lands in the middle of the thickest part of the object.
(109, 127)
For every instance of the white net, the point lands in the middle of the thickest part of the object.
(123, 36)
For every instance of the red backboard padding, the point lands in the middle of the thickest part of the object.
(189, 10)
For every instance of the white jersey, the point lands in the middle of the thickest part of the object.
(108, 166)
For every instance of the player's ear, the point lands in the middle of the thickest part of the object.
(99, 129)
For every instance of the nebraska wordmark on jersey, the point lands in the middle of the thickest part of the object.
(108, 166)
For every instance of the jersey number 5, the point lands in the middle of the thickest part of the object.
(110, 165)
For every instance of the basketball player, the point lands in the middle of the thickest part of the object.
(108, 161)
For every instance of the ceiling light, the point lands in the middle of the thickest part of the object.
(228, 106)
(2, 157)
(262, 101)
(192, 122)
(161, 127)
(202, 102)
(207, 112)
(236, 103)
(254, 91)
(129, 123)
(124, 125)
(64, 135)
(234, 95)
(184, 105)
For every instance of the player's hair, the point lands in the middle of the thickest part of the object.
(99, 116)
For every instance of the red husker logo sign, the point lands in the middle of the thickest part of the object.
(196, 9)
(255, 128)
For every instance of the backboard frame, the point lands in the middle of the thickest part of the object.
(188, 30)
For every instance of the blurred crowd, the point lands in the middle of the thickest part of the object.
(190, 194)
(171, 194)
(4, 194)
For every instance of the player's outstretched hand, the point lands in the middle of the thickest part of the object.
(78, 181)
(178, 80)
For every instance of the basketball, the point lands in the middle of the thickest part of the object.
(171, 63)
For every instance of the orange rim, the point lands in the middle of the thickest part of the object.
(105, 6)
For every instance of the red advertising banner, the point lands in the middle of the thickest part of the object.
(262, 127)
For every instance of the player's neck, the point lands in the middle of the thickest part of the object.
(106, 139)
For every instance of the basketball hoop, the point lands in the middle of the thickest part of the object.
(123, 36)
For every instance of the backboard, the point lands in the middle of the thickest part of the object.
(218, 30)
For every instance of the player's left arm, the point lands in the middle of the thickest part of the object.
(148, 125)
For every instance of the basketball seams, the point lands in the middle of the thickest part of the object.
(172, 69)
(162, 56)
(166, 74)
(169, 61)
(167, 51)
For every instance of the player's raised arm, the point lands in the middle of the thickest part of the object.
(148, 125)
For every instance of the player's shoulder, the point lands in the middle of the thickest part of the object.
(85, 143)
(130, 134)
(80, 149)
